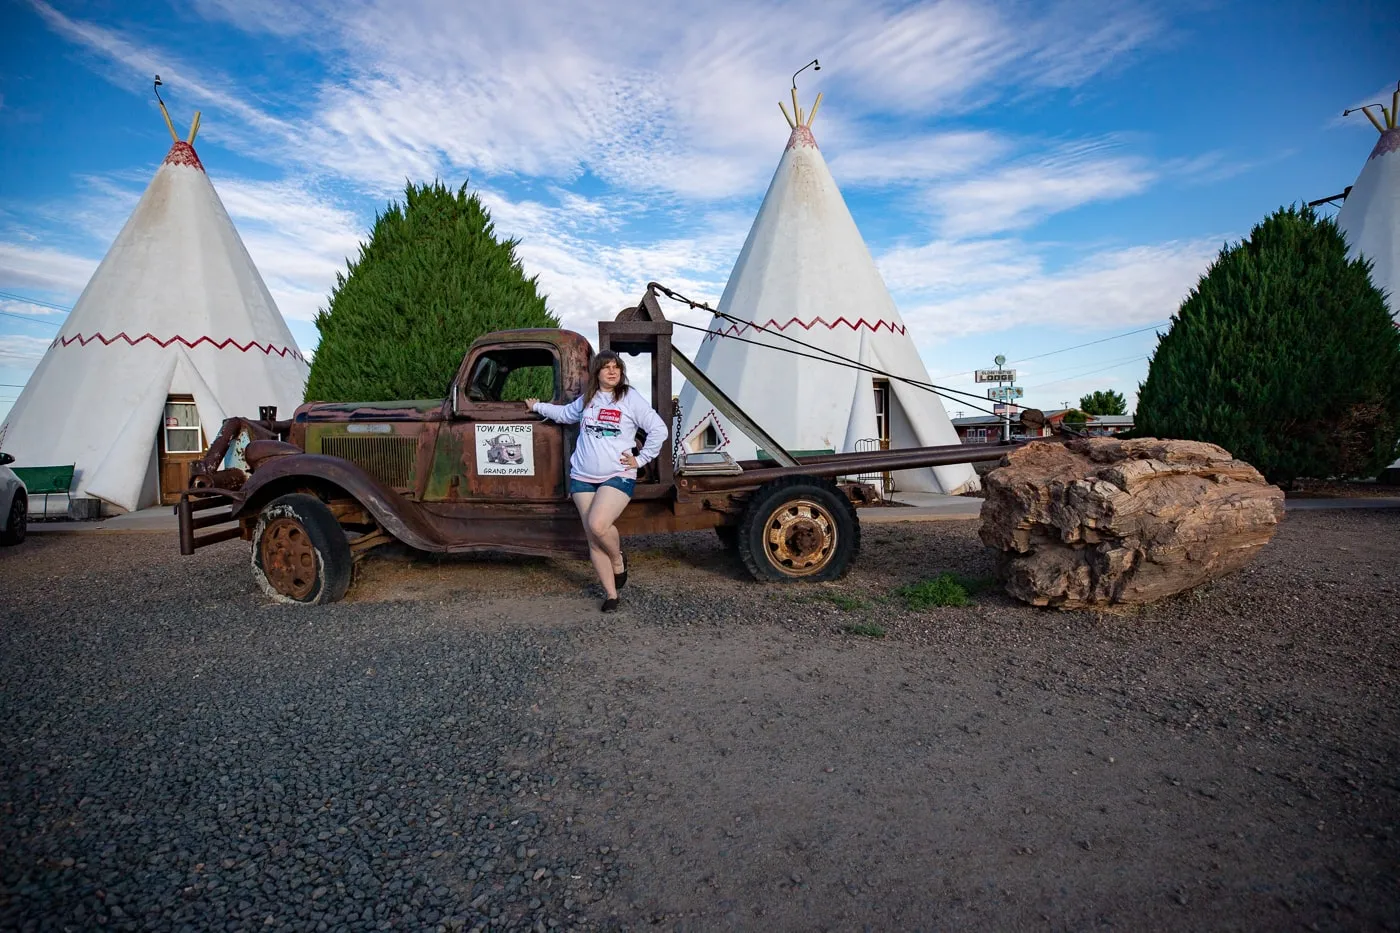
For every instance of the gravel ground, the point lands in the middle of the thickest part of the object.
(468, 744)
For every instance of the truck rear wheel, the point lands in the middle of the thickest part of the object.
(300, 554)
(799, 529)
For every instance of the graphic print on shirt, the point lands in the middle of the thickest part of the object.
(607, 424)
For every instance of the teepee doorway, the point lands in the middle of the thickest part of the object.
(181, 444)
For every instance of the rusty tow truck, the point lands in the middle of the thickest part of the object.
(471, 472)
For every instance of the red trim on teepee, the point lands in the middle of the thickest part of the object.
(737, 330)
(802, 136)
(182, 153)
(1389, 142)
(227, 342)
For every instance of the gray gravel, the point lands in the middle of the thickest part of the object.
(180, 754)
(470, 745)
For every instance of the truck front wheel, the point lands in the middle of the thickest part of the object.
(300, 554)
(799, 528)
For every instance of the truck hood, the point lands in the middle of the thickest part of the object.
(423, 409)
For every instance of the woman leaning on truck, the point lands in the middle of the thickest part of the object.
(603, 470)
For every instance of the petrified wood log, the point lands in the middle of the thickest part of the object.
(1102, 521)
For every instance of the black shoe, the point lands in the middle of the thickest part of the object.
(620, 579)
(610, 605)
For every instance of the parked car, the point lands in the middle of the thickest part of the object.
(14, 503)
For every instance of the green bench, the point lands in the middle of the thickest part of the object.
(46, 481)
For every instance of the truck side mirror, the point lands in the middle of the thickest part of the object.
(6, 459)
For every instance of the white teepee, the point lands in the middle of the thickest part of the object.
(176, 308)
(806, 273)
(1370, 217)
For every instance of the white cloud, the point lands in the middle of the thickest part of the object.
(43, 269)
(913, 158)
(30, 309)
(643, 95)
(21, 351)
(1025, 192)
(1117, 289)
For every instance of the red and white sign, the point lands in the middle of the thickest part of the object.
(610, 415)
(172, 422)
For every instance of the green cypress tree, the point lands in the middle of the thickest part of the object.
(432, 278)
(1284, 354)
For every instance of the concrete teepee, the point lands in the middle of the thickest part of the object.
(174, 332)
(806, 272)
(1370, 217)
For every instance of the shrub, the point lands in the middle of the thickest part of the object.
(946, 589)
(1284, 354)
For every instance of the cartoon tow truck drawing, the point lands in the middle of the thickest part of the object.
(505, 449)
(473, 472)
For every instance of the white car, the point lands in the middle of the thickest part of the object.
(14, 503)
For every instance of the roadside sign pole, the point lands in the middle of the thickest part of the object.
(1005, 402)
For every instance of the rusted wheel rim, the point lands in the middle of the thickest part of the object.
(289, 558)
(801, 537)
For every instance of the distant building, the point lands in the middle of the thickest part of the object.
(986, 429)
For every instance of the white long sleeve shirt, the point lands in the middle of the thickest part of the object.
(609, 429)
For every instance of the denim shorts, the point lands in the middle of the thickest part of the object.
(617, 482)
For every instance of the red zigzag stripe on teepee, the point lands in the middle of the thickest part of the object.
(227, 342)
(736, 329)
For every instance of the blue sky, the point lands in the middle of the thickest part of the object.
(1030, 177)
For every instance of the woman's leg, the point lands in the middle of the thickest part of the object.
(602, 562)
(608, 503)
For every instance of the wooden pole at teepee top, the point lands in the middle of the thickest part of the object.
(813, 115)
(785, 115)
(175, 137)
(194, 129)
(796, 110)
(1394, 104)
(1372, 117)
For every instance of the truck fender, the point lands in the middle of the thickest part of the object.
(395, 514)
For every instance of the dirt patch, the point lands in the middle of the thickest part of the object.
(724, 754)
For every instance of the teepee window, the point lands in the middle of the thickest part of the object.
(710, 439)
(882, 409)
(182, 434)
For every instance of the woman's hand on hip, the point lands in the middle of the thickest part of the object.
(628, 460)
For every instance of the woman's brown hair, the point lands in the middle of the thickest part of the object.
(603, 358)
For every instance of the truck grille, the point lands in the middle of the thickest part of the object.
(387, 459)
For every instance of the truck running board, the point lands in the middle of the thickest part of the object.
(217, 509)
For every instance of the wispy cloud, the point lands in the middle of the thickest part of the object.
(910, 159)
(50, 271)
(131, 56)
(22, 352)
(1029, 190)
(1116, 288)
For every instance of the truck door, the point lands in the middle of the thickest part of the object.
(494, 448)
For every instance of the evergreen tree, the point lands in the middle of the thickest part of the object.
(1284, 354)
(1076, 419)
(1104, 402)
(432, 278)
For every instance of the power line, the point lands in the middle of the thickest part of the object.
(33, 301)
(1089, 373)
(10, 385)
(1067, 349)
(32, 320)
(1090, 343)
